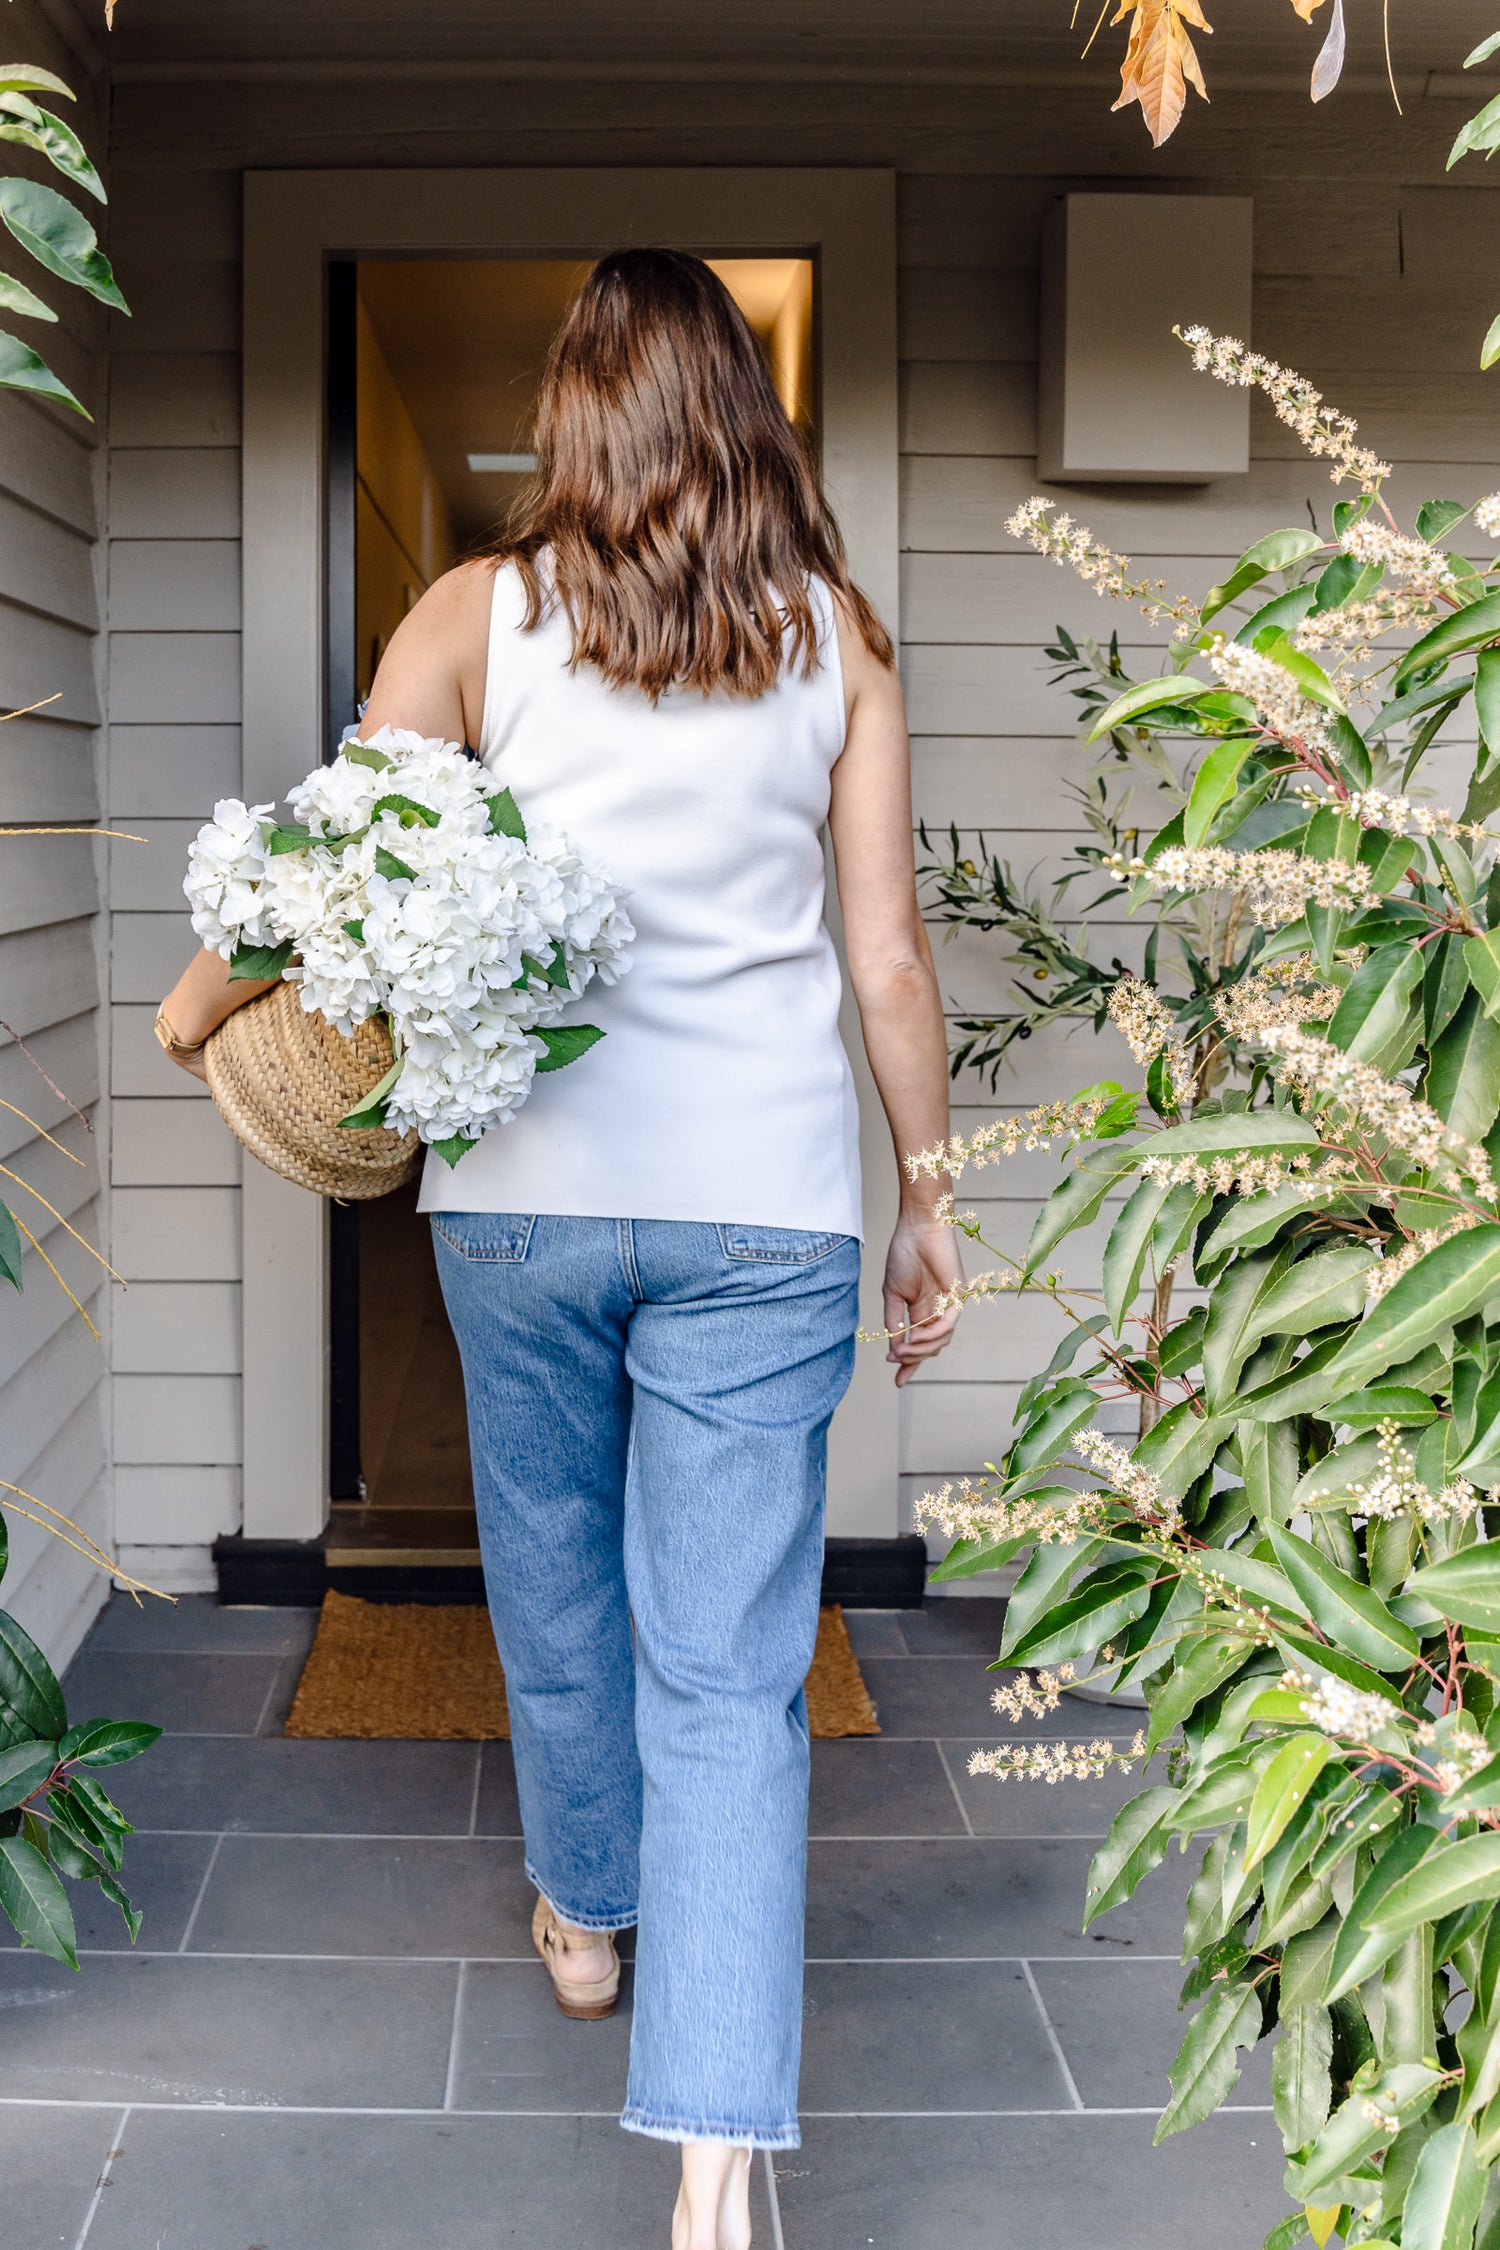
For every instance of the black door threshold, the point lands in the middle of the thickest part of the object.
(418, 1555)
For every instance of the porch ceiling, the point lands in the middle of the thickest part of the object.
(1022, 39)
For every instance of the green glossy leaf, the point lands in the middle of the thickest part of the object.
(1226, 1341)
(1282, 1790)
(968, 1558)
(1136, 1843)
(51, 138)
(22, 369)
(1371, 1015)
(12, 1249)
(1051, 1567)
(1279, 550)
(1199, 1672)
(1205, 2069)
(394, 869)
(357, 753)
(1301, 2088)
(412, 813)
(1052, 1425)
(261, 962)
(565, 1042)
(133, 1916)
(30, 78)
(1304, 1388)
(1147, 695)
(23, 1769)
(1471, 627)
(1463, 1072)
(1382, 1402)
(15, 297)
(1435, 517)
(1482, 961)
(1181, 1446)
(1445, 1285)
(369, 1113)
(1448, 1876)
(1213, 786)
(59, 237)
(35, 1901)
(1352, 1615)
(1259, 1130)
(28, 1689)
(1324, 1287)
(1078, 1197)
(1100, 1607)
(1447, 2189)
(1406, 2089)
(450, 1150)
(107, 1742)
(505, 817)
(1465, 1586)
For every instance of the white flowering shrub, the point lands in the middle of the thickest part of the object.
(407, 886)
(1298, 1558)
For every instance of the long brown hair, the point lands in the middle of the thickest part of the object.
(680, 510)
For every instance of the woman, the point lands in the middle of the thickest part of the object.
(652, 1271)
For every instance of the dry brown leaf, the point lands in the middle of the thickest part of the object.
(1160, 63)
(109, 12)
(1304, 8)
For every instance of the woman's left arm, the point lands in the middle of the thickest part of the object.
(896, 987)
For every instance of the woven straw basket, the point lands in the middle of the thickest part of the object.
(283, 1078)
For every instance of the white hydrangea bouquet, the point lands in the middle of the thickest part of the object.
(407, 886)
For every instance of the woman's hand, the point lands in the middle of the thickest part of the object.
(922, 1267)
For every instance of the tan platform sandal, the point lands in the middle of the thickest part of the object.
(554, 1944)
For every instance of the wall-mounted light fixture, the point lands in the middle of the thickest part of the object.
(1119, 399)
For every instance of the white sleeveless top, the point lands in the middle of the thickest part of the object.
(721, 1090)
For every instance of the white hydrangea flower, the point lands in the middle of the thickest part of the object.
(226, 866)
(407, 902)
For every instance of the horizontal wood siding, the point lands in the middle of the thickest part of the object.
(1373, 300)
(53, 1388)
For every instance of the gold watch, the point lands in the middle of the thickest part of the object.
(181, 1050)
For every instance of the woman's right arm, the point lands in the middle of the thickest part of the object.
(431, 679)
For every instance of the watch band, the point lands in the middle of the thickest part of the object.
(181, 1050)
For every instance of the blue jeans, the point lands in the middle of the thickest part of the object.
(648, 1409)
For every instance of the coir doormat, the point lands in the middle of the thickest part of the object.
(428, 1672)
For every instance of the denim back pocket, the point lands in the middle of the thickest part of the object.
(486, 1237)
(777, 1246)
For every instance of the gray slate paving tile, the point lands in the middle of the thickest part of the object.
(874, 1632)
(50, 2161)
(198, 1694)
(1039, 1808)
(1119, 2027)
(880, 1788)
(182, 2028)
(392, 2183)
(516, 2050)
(197, 1624)
(163, 1876)
(939, 2036)
(1094, 2183)
(316, 1788)
(954, 1625)
(969, 1896)
(498, 1810)
(424, 1895)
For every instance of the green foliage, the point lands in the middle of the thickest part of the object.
(53, 231)
(1297, 1554)
(57, 1826)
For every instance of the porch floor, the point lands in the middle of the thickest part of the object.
(334, 2031)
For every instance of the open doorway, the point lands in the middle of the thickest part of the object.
(433, 371)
